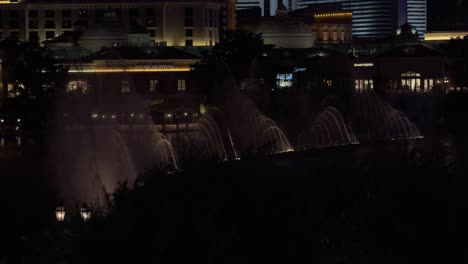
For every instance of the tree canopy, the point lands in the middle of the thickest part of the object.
(35, 78)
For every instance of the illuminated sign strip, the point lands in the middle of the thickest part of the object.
(369, 64)
(122, 70)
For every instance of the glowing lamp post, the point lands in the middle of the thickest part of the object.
(85, 213)
(60, 214)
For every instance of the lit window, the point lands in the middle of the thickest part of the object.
(181, 85)
(284, 80)
(411, 81)
(328, 83)
(77, 86)
(342, 36)
(335, 36)
(12, 92)
(153, 85)
(363, 85)
(125, 87)
(428, 85)
(325, 36)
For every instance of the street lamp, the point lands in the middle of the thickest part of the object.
(85, 213)
(60, 213)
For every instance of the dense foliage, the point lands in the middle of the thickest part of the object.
(36, 77)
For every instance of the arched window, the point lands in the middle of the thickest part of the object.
(411, 81)
(77, 86)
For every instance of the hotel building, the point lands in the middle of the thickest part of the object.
(171, 23)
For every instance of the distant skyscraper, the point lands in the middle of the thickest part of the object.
(416, 15)
(305, 3)
(372, 18)
(268, 6)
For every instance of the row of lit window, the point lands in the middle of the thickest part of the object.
(406, 83)
(82, 86)
(334, 36)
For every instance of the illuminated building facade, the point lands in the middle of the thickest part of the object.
(171, 23)
(333, 27)
(380, 18)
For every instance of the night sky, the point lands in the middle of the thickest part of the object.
(447, 15)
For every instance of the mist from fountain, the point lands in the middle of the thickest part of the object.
(252, 131)
(93, 153)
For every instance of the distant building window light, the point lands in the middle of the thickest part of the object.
(325, 36)
(363, 85)
(428, 84)
(411, 74)
(153, 85)
(411, 81)
(284, 80)
(328, 83)
(14, 92)
(181, 85)
(125, 87)
(77, 87)
(83, 13)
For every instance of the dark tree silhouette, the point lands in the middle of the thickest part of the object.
(36, 78)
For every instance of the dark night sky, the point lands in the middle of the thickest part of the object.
(447, 15)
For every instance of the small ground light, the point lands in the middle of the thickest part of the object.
(60, 213)
(132, 115)
(1, 120)
(85, 213)
(169, 115)
(95, 116)
(185, 114)
(113, 116)
(19, 120)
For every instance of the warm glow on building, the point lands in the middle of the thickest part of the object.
(444, 36)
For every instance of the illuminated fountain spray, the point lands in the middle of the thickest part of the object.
(252, 131)
(375, 119)
(163, 151)
(216, 136)
(269, 137)
(328, 129)
(92, 159)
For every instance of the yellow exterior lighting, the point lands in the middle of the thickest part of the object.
(341, 14)
(122, 70)
(443, 36)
